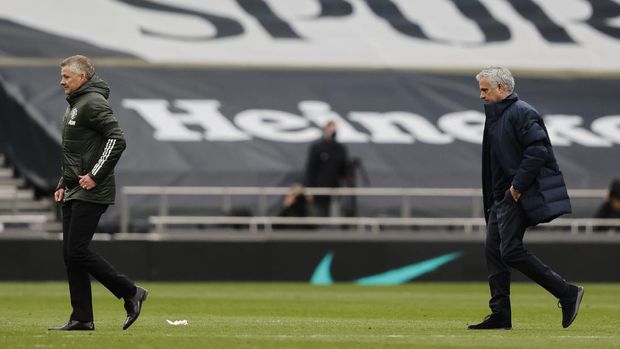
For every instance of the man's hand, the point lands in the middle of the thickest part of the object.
(516, 195)
(87, 183)
(59, 195)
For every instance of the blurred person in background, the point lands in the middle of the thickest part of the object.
(296, 203)
(522, 186)
(92, 143)
(610, 208)
(327, 166)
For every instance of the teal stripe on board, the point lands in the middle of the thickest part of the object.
(322, 274)
(409, 272)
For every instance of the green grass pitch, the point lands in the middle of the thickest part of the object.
(290, 315)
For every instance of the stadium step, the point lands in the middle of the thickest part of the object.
(16, 201)
(52, 226)
(12, 194)
(10, 181)
(49, 216)
(30, 222)
(6, 172)
(31, 205)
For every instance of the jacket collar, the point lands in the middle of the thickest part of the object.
(94, 84)
(495, 110)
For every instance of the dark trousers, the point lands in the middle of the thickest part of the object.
(79, 220)
(322, 203)
(504, 250)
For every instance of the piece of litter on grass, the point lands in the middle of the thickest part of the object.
(177, 322)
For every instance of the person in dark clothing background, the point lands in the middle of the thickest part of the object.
(92, 143)
(611, 207)
(296, 203)
(522, 186)
(326, 166)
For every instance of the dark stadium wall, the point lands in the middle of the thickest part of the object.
(325, 262)
(28, 136)
(29, 144)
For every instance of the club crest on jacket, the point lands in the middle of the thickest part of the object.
(73, 114)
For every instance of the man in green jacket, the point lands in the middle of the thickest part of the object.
(92, 143)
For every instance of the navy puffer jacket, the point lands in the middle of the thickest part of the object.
(526, 157)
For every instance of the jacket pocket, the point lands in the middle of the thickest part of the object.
(71, 168)
(552, 187)
(508, 198)
(532, 199)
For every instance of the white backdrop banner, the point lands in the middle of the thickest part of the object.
(582, 35)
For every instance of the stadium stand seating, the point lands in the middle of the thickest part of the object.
(19, 208)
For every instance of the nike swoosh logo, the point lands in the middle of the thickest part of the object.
(322, 274)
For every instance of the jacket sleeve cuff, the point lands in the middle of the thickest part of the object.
(89, 174)
(61, 184)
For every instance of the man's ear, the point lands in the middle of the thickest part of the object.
(502, 90)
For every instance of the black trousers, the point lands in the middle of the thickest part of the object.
(79, 220)
(504, 250)
(322, 204)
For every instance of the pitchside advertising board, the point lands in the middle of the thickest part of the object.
(376, 262)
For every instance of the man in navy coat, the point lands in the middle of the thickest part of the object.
(522, 186)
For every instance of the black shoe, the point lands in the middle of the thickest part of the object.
(74, 325)
(133, 306)
(570, 304)
(492, 322)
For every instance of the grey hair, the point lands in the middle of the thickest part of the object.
(498, 75)
(79, 64)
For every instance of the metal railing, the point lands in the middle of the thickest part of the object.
(372, 225)
(268, 224)
(227, 193)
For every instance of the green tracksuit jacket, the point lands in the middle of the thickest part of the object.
(92, 143)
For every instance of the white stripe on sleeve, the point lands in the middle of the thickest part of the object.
(106, 153)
